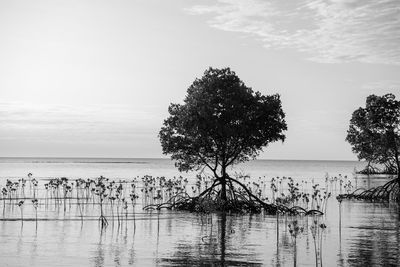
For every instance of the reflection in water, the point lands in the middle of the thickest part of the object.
(216, 247)
(340, 254)
(377, 240)
(369, 235)
(357, 234)
(98, 259)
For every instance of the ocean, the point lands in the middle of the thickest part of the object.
(64, 233)
(128, 168)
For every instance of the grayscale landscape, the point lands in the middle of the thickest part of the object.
(200, 133)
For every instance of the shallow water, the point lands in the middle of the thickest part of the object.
(369, 236)
(366, 234)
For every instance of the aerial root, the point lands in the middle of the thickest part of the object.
(240, 200)
(386, 192)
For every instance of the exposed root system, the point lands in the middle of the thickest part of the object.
(240, 200)
(386, 192)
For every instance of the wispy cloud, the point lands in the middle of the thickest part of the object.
(71, 123)
(328, 31)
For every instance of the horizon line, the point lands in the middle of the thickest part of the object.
(166, 158)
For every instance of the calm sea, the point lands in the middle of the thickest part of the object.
(358, 233)
(126, 168)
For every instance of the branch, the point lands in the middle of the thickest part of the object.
(235, 154)
(247, 191)
(209, 189)
(216, 161)
(205, 162)
(232, 160)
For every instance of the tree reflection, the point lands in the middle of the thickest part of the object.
(212, 249)
(377, 245)
(98, 259)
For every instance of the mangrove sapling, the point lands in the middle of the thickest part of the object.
(78, 185)
(4, 192)
(125, 207)
(324, 204)
(314, 229)
(317, 230)
(46, 187)
(295, 230)
(69, 192)
(322, 228)
(23, 182)
(8, 188)
(35, 203)
(133, 202)
(118, 197)
(13, 190)
(35, 186)
(93, 196)
(21, 207)
(100, 191)
(64, 182)
(112, 199)
(30, 181)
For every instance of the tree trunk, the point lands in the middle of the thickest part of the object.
(396, 159)
(223, 188)
(223, 185)
(369, 167)
(396, 155)
(398, 168)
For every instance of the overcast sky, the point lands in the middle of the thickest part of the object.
(95, 78)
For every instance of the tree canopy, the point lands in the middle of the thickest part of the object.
(374, 131)
(222, 122)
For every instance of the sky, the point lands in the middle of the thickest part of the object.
(95, 78)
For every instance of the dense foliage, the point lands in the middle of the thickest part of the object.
(222, 122)
(374, 132)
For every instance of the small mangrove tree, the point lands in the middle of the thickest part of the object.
(374, 134)
(221, 123)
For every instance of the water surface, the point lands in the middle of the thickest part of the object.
(367, 234)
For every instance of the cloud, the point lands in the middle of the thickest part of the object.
(329, 31)
(23, 121)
